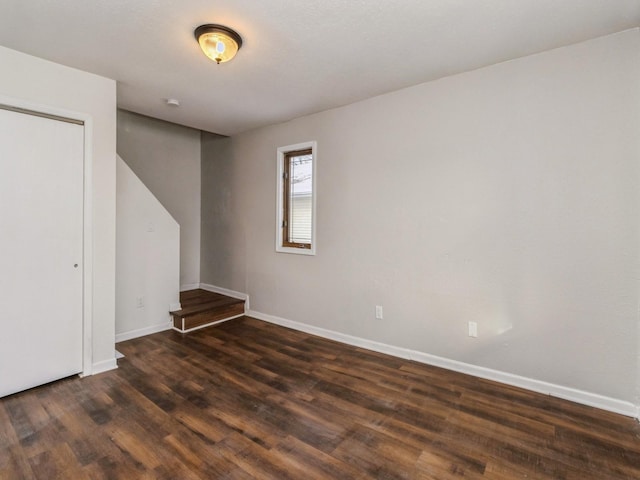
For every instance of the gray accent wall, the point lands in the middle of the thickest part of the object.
(507, 196)
(166, 157)
(222, 243)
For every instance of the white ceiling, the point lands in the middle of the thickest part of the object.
(298, 56)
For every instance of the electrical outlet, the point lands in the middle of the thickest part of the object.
(473, 329)
(379, 315)
(139, 302)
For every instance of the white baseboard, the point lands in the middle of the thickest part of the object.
(104, 366)
(141, 332)
(227, 292)
(567, 393)
(189, 286)
(174, 307)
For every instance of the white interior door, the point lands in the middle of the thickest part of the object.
(41, 225)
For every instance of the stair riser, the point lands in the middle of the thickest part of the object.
(204, 318)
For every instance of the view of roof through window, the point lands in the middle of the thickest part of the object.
(302, 175)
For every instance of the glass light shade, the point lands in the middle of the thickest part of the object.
(218, 43)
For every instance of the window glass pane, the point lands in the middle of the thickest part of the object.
(300, 200)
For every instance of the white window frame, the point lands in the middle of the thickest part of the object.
(282, 151)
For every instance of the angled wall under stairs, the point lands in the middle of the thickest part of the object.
(147, 258)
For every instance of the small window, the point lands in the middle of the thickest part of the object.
(296, 199)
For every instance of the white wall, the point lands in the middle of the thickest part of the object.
(147, 259)
(40, 82)
(506, 196)
(166, 157)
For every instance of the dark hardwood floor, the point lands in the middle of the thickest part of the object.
(246, 400)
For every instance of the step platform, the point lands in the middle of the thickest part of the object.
(201, 308)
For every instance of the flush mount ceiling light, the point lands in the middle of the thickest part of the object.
(218, 42)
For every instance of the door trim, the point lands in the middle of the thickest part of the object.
(55, 113)
(26, 111)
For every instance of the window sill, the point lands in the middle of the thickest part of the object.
(297, 251)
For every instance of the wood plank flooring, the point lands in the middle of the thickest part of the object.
(249, 400)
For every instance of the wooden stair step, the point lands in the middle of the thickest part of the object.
(192, 297)
(202, 308)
